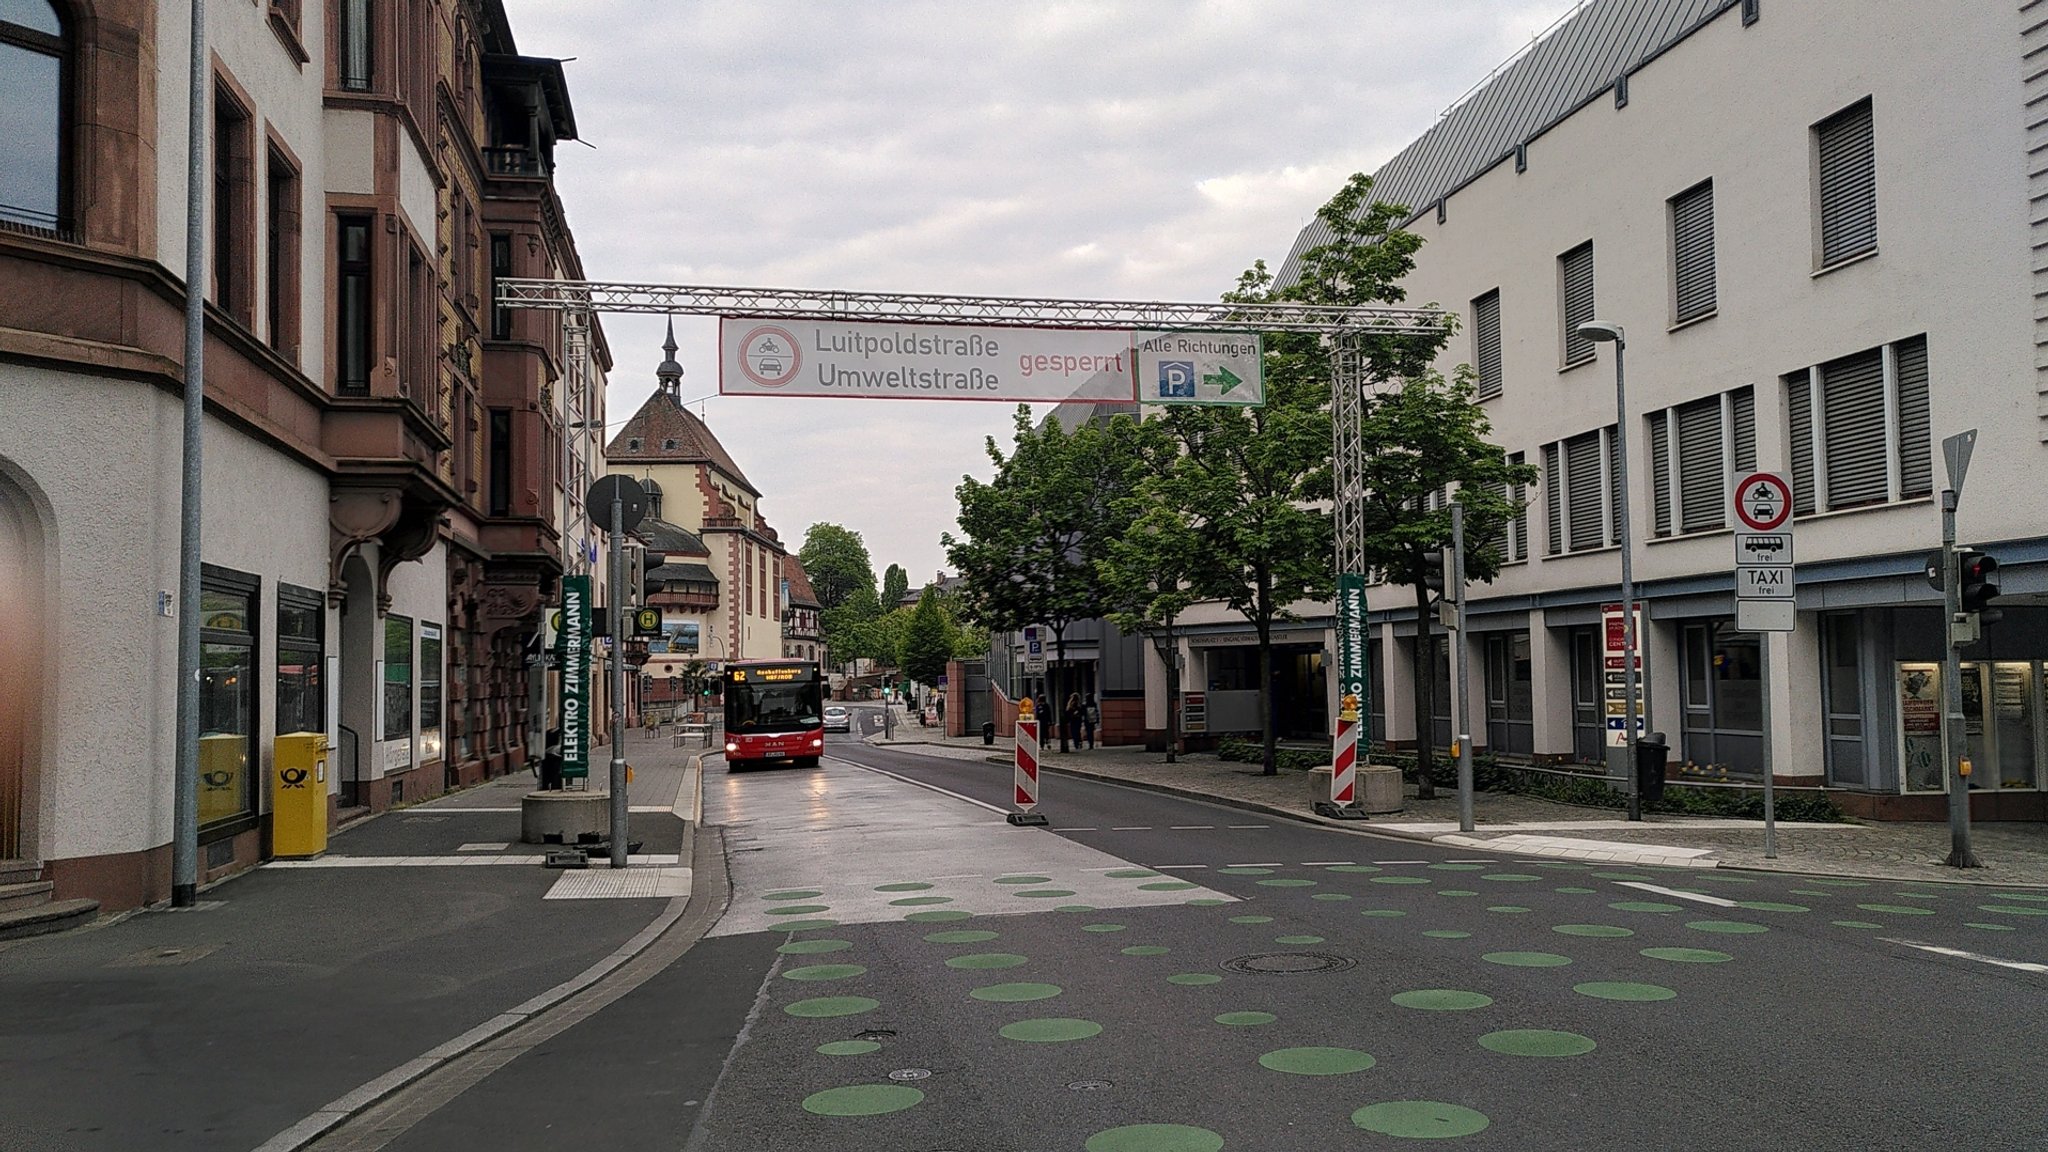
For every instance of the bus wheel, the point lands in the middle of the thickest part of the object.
(733, 766)
(807, 762)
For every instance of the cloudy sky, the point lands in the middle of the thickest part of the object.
(1145, 150)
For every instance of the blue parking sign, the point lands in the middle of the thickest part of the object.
(1177, 379)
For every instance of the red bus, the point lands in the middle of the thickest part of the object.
(774, 713)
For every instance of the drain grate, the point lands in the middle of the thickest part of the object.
(910, 1074)
(876, 1034)
(1089, 1086)
(1289, 963)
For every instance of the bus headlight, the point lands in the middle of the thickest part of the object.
(817, 741)
(730, 748)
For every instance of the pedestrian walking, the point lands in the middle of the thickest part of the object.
(1072, 715)
(1091, 718)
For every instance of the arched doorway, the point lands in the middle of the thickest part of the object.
(22, 612)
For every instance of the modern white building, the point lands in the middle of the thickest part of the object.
(1820, 226)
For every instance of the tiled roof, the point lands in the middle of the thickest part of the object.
(684, 574)
(1580, 59)
(800, 590)
(669, 433)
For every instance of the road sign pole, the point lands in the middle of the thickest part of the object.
(1765, 643)
(1457, 638)
(1960, 854)
(618, 611)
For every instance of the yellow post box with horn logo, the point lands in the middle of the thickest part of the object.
(298, 796)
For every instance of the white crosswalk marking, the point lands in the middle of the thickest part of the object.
(1676, 894)
(1958, 953)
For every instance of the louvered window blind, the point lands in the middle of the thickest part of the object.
(1852, 403)
(1692, 252)
(1486, 343)
(1553, 497)
(1660, 472)
(1583, 490)
(1575, 269)
(1701, 484)
(1848, 184)
(1916, 448)
(1869, 416)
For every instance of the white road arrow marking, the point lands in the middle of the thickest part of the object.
(1958, 953)
(1702, 897)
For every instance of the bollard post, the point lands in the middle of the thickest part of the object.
(1025, 789)
(1344, 802)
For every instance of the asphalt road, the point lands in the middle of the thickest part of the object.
(1308, 988)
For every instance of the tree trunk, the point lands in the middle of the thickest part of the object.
(1425, 691)
(1269, 765)
(1059, 700)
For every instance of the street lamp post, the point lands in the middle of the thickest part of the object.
(1603, 332)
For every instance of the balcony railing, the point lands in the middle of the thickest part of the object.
(513, 161)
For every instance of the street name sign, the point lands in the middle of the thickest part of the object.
(899, 361)
(1761, 509)
(1201, 368)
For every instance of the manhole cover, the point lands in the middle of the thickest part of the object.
(1089, 1086)
(910, 1074)
(875, 1034)
(1288, 963)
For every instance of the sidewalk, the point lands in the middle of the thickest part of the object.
(296, 984)
(2014, 854)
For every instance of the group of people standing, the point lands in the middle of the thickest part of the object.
(1077, 721)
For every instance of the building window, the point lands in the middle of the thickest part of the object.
(501, 267)
(281, 273)
(1845, 173)
(1860, 429)
(234, 212)
(34, 78)
(501, 462)
(1575, 301)
(1486, 343)
(430, 692)
(352, 306)
(416, 331)
(355, 45)
(1579, 475)
(301, 701)
(1715, 436)
(1692, 253)
(397, 677)
(227, 697)
(1721, 696)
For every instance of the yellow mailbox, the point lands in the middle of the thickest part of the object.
(298, 795)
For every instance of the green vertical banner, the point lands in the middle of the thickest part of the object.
(574, 637)
(1352, 676)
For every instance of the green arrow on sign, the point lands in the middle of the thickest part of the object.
(1224, 379)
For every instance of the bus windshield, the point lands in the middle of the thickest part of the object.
(768, 702)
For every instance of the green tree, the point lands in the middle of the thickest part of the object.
(895, 586)
(1033, 536)
(1424, 438)
(838, 563)
(927, 641)
(849, 629)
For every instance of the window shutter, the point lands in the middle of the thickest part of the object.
(1743, 403)
(1852, 414)
(1582, 479)
(1701, 486)
(1799, 414)
(1576, 274)
(1613, 486)
(1692, 249)
(1553, 497)
(1660, 469)
(1848, 185)
(1916, 451)
(1486, 343)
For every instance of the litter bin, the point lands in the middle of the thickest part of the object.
(988, 732)
(298, 795)
(1651, 753)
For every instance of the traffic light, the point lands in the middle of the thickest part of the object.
(1433, 570)
(1978, 576)
(645, 582)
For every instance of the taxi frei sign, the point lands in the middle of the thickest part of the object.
(909, 361)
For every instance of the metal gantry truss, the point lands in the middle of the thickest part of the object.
(1347, 452)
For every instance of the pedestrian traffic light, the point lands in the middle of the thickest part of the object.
(1977, 575)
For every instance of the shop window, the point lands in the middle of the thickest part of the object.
(430, 692)
(34, 78)
(352, 306)
(301, 698)
(227, 700)
(1842, 689)
(1723, 696)
(1924, 755)
(397, 677)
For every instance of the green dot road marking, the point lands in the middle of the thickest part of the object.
(914, 901)
(1688, 955)
(1508, 908)
(1578, 891)
(1287, 882)
(1642, 906)
(1827, 882)
(1383, 913)
(1623, 990)
(1897, 909)
(799, 909)
(1154, 1138)
(795, 894)
(1726, 927)
(816, 972)
(1636, 876)
(1455, 892)
(938, 916)
(1015, 993)
(1251, 919)
(1297, 939)
(1990, 927)
(2023, 897)
(849, 1048)
(1400, 880)
(982, 960)
(1213, 902)
(1863, 924)
(862, 1100)
(962, 936)
(1157, 886)
(1127, 874)
(1023, 879)
(1527, 959)
(1536, 1042)
(824, 1007)
(1103, 927)
(1331, 896)
(1809, 892)
(904, 886)
(806, 925)
(1073, 908)
(1246, 1019)
(1441, 1000)
(1146, 950)
(1768, 906)
(813, 947)
(1052, 893)
(1419, 1119)
(1918, 895)
(1050, 1031)
(1597, 931)
(1446, 934)
(1244, 871)
(1456, 867)
(1194, 979)
(1560, 865)
(2013, 910)
(1317, 1061)
(1510, 877)
(1353, 868)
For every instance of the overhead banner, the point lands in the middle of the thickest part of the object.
(1353, 676)
(895, 361)
(1201, 368)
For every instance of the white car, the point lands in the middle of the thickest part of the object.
(838, 719)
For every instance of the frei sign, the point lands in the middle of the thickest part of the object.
(908, 361)
(575, 641)
(1762, 508)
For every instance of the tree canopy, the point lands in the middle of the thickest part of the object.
(837, 560)
(895, 586)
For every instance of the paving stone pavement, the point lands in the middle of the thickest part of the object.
(2013, 853)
